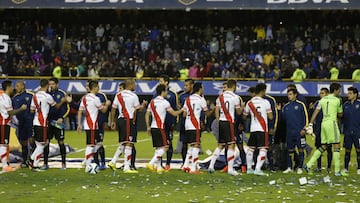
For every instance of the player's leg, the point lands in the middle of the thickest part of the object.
(270, 153)
(329, 157)
(358, 160)
(252, 143)
(101, 152)
(133, 158)
(90, 147)
(239, 143)
(187, 136)
(184, 145)
(133, 139)
(231, 150)
(223, 137)
(317, 145)
(24, 135)
(170, 151)
(319, 151)
(50, 135)
(4, 147)
(335, 139)
(60, 137)
(262, 145)
(301, 144)
(130, 139)
(121, 125)
(290, 148)
(347, 145)
(195, 157)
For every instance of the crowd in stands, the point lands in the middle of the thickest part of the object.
(263, 50)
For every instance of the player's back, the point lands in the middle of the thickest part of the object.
(331, 106)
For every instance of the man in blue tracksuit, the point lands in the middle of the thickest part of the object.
(351, 122)
(296, 117)
(317, 131)
(25, 124)
(102, 122)
(56, 119)
(170, 121)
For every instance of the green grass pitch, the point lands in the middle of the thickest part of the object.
(73, 185)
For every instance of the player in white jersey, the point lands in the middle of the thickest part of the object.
(157, 109)
(194, 105)
(227, 104)
(127, 103)
(40, 104)
(260, 111)
(91, 105)
(6, 111)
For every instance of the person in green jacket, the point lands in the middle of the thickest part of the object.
(57, 72)
(356, 75)
(334, 73)
(299, 75)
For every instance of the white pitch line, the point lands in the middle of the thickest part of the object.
(114, 145)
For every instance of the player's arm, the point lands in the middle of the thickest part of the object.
(270, 115)
(112, 117)
(16, 111)
(173, 112)
(147, 122)
(241, 106)
(80, 113)
(211, 110)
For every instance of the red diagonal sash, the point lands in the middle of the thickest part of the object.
(193, 119)
(126, 114)
(38, 110)
(228, 116)
(42, 121)
(158, 122)
(261, 121)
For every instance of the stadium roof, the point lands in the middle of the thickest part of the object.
(184, 4)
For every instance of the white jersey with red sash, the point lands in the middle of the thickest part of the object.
(258, 109)
(41, 103)
(193, 106)
(158, 108)
(228, 101)
(5, 107)
(91, 104)
(126, 102)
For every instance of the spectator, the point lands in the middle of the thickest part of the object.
(299, 75)
(193, 70)
(334, 72)
(99, 31)
(225, 74)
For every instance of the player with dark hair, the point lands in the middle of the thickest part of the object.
(351, 122)
(260, 112)
(330, 133)
(296, 117)
(188, 88)
(194, 105)
(41, 104)
(6, 111)
(92, 106)
(56, 121)
(227, 104)
(317, 131)
(102, 122)
(170, 121)
(24, 127)
(157, 109)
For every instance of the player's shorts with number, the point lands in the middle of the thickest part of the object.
(330, 132)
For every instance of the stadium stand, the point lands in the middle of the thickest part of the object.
(267, 45)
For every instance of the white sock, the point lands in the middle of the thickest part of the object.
(249, 158)
(214, 157)
(3, 156)
(260, 159)
(153, 160)
(127, 157)
(195, 158)
(89, 154)
(230, 159)
(160, 153)
(37, 154)
(118, 152)
(187, 159)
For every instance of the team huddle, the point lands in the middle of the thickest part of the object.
(49, 106)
